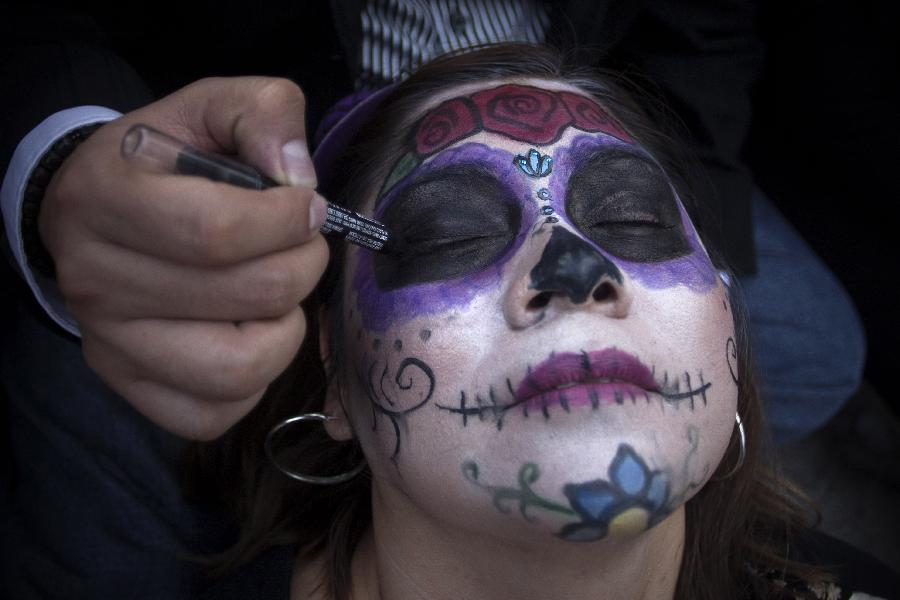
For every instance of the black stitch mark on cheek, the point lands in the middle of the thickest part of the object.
(424, 335)
(731, 357)
(398, 345)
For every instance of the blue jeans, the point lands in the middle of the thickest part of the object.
(808, 340)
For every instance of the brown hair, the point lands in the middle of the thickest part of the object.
(744, 521)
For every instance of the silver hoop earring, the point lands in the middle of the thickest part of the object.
(743, 453)
(313, 479)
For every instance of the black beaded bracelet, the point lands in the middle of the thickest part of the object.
(36, 254)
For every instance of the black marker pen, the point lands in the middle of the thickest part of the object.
(153, 148)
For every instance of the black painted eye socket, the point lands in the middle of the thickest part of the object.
(623, 202)
(452, 223)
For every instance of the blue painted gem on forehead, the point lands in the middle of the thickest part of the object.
(380, 308)
(534, 164)
(694, 270)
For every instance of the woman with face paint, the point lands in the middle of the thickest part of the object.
(546, 384)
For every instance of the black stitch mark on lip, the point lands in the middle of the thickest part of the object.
(585, 362)
(668, 392)
(498, 411)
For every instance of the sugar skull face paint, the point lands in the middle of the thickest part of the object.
(554, 335)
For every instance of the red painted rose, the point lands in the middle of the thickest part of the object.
(448, 123)
(589, 116)
(523, 113)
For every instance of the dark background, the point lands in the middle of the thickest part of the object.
(824, 146)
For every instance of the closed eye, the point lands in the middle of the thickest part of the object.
(454, 222)
(625, 204)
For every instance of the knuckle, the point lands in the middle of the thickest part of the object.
(275, 290)
(211, 236)
(74, 285)
(239, 372)
(276, 92)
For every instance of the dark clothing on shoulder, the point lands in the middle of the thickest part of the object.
(268, 577)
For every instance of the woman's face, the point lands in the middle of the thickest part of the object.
(551, 352)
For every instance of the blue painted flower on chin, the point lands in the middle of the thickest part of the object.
(633, 500)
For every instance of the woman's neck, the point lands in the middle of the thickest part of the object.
(408, 556)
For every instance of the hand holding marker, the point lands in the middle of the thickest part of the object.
(147, 146)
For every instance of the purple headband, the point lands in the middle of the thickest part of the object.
(338, 128)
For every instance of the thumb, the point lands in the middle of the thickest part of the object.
(262, 119)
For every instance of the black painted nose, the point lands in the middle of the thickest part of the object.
(571, 267)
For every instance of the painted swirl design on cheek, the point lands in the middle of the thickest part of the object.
(395, 392)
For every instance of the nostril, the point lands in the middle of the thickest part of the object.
(540, 301)
(604, 291)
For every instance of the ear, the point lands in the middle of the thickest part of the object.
(338, 428)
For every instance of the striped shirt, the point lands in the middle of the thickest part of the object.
(399, 35)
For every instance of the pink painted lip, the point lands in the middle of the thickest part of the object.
(579, 379)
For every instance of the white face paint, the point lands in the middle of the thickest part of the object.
(554, 389)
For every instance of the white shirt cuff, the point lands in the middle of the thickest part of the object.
(26, 157)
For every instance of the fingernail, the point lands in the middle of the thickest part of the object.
(317, 210)
(297, 164)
